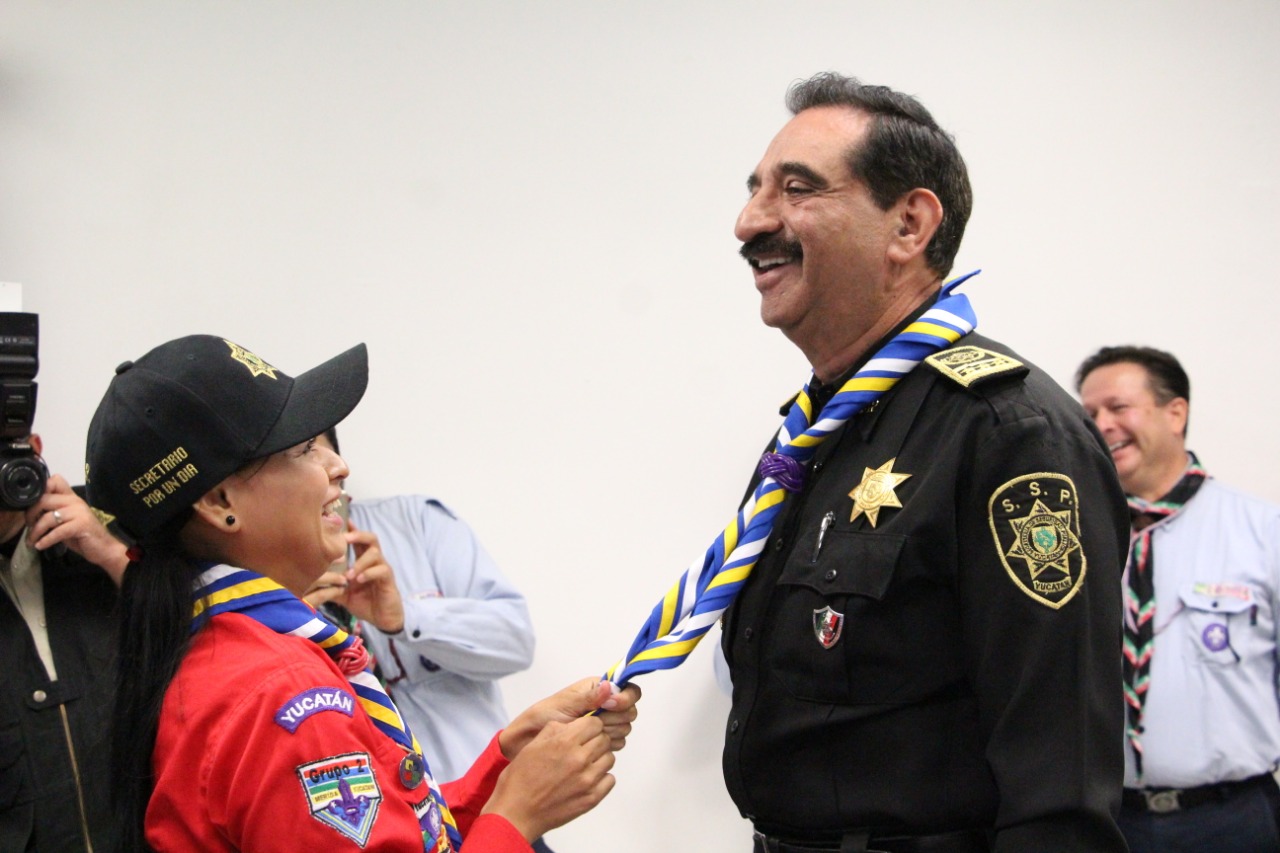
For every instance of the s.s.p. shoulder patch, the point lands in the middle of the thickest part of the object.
(972, 366)
(1035, 520)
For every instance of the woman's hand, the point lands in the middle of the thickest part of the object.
(617, 712)
(561, 773)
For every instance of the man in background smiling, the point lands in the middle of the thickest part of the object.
(1200, 657)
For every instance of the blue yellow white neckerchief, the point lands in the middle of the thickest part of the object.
(696, 601)
(226, 589)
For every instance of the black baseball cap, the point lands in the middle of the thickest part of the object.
(193, 411)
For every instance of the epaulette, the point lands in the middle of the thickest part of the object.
(440, 505)
(974, 367)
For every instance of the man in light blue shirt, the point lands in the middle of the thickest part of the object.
(1202, 605)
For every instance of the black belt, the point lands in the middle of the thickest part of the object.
(965, 841)
(1166, 800)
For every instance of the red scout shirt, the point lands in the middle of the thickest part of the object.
(255, 728)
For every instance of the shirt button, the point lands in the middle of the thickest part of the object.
(831, 574)
(747, 633)
(778, 544)
(733, 726)
(417, 633)
(817, 466)
(39, 696)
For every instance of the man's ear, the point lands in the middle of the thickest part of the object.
(1176, 411)
(918, 215)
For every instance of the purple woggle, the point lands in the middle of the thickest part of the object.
(785, 471)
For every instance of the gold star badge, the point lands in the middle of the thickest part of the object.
(1044, 539)
(876, 491)
(256, 366)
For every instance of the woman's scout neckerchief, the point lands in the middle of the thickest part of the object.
(226, 589)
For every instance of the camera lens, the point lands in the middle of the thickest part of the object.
(22, 482)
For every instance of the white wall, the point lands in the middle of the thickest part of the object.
(525, 209)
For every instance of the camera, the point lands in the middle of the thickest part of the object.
(23, 474)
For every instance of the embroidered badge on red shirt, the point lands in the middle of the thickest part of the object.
(342, 793)
(313, 701)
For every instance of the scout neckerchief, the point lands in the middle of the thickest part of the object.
(693, 605)
(346, 620)
(1140, 595)
(226, 589)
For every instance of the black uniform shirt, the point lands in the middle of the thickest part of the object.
(956, 664)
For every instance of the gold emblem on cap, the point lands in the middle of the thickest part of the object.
(257, 366)
(876, 491)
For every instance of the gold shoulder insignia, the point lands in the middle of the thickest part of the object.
(1035, 520)
(970, 365)
(104, 518)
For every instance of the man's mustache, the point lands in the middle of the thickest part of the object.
(772, 245)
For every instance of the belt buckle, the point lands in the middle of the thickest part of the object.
(1162, 802)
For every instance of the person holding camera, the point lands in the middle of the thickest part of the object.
(244, 721)
(60, 569)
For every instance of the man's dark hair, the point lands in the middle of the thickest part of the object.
(1165, 375)
(904, 149)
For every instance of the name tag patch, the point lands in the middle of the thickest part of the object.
(313, 701)
(342, 793)
(1224, 590)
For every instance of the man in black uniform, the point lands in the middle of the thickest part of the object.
(925, 657)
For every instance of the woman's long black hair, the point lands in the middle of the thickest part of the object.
(155, 633)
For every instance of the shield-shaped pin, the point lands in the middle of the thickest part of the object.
(1045, 538)
(827, 625)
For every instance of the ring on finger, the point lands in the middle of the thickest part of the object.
(57, 518)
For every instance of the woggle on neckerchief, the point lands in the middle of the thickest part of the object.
(682, 618)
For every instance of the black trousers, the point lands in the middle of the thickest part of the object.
(1245, 822)
(951, 842)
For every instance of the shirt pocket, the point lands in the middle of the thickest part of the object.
(1221, 622)
(827, 639)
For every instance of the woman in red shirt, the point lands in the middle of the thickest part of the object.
(246, 721)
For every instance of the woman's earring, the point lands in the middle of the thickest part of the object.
(231, 519)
